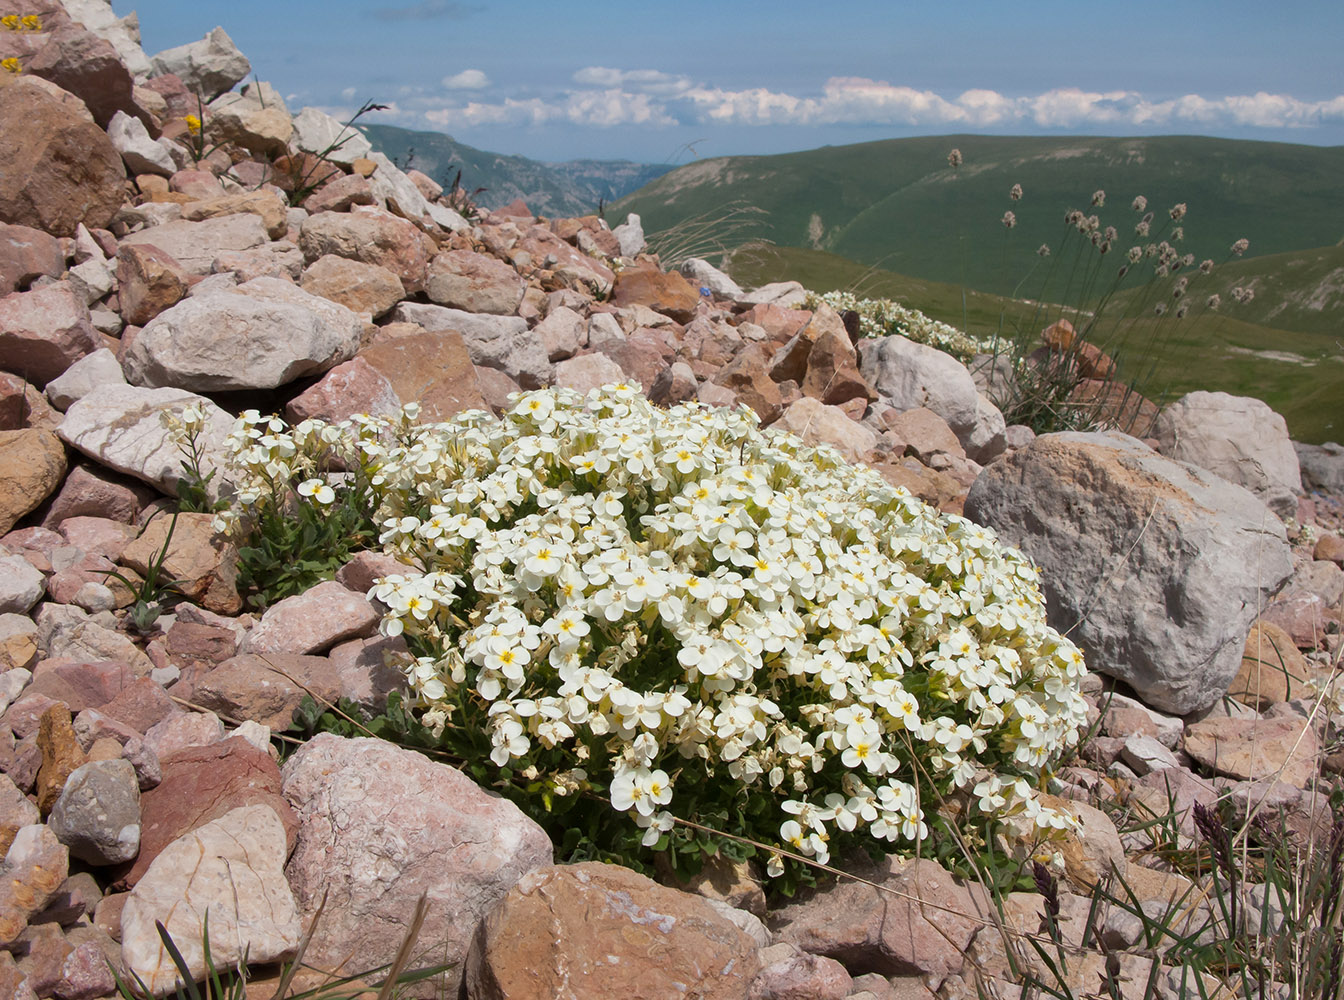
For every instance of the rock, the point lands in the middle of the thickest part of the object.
(369, 237)
(196, 245)
(832, 374)
(34, 869)
(587, 372)
(32, 463)
(140, 153)
(360, 287)
(244, 120)
(380, 826)
(66, 632)
(25, 255)
(1319, 577)
(1303, 615)
(1113, 405)
(148, 282)
(1284, 748)
(630, 236)
(61, 754)
(266, 205)
(474, 282)
(596, 930)
(664, 292)
(183, 730)
(1272, 669)
(232, 868)
(280, 259)
(796, 975)
(21, 585)
(907, 375)
(815, 423)
(502, 342)
(263, 334)
(926, 434)
(1156, 567)
(748, 377)
(119, 426)
(368, 671)
(99, 368)
(1322, 465)
(1329, 548)
(44, 331)
(339, 194)
(352, 387)
(431, 367)
(98, 814)
(891, 933)
(399, 193)
(201, 784)
(202, 564)
(1238, 438)
(313, 621)
(64, 172)
(703, 274)
(784, 294)
(267, 688)
(562, 333)
(18, 652)
(208, 67)
(317, 132)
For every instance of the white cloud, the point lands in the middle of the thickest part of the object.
(602, 96)
(468, 79)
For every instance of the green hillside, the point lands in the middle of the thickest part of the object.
(897, 204)
(1299, 374)
(559, 190)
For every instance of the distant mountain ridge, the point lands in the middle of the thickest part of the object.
(558, 190)
(897, 204)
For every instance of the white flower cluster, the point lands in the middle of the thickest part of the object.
(882, 317)
(634, 602)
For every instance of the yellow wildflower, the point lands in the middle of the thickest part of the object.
(10, 65)
(193, 124)
(31, 22)
(10, 22)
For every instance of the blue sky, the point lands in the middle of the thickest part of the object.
(670, 82)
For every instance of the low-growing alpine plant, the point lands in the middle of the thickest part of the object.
(639, 616)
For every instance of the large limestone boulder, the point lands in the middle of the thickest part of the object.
(318, 132)
(373, 237)
(57, 168)
(262, 334)
(1155, 567)
(1238, 438)
(207, 67)
(197, 245)
(378, 827)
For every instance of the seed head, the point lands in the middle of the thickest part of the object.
(1178, 233)
(1181, 309)
(1214, 301)
(1098, 198)
(1073, 217)
(1159, 309)
(1009, 220)
(1141, 229)
(1015, 192)
(1177, 212)
(1205, 266)
(1240, 247)
(1140, 203)
(954, 159)
(1135, 254)
(1043, 250)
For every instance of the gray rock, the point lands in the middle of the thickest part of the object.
(92, 280)
(1238, 438)
(98, 814)
(122, 33)
(66, 632)
(1156, 568)
(262, 334)
(988, 438)
(399, 193)
(1145, 754)
(196, 245)
(119, 426)
(502, 342)
(379, 826)
(21, 585)
(140, 153)
(587, 372)
(318, 132)
(232, 867)
(208, 67)
(630, 236)
(1322, 465)
(1322, 578)
(703, 274)
(785, 294)
(99, 368)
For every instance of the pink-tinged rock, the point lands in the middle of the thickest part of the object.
(80, 62)
(97, 535)
(1285, 748)
(643, 356)
(203, 563)
(31, 875)
(833, 372)
(360, 287)
(57, 168)
(587, 372)
(502, 342)
(926, 434)
(68, 633)
(245, 121)
(267, 688)
(562, 332)
(183, 731)
(748, 377)
(368, 670)
(664, 292)
(816, 423)
(365, 569)
(281, 259)
(674, 384)
(44, 331)
(1303, 615)
(86, 973)
(796, 975)
(268, 206)
(13, 401)
(105, 738)
(232, 868)
(263, 334)
(13, 981)
(198, 185)
(1272, 668)
(1329, 548)
(474, 282)
(149, 281)
(433, 368)
(339, 194)
(890, 933)
(598, 930)
(92, 491)
(313, 621)
(201, 784)
(32, 463)
(379, 826)
(372, 237)
(80, 685)
(196, 245)
(496, 388)
(141, 705)
(26, 254)
(349, 388)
